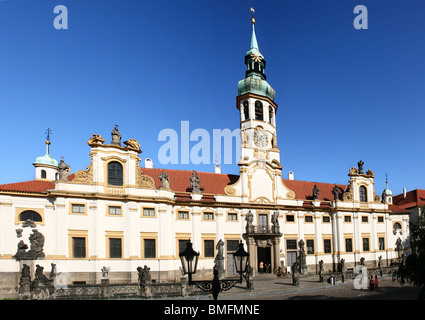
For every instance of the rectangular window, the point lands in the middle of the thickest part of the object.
(308, 219)
(310, 246)
(114, 211)
(78, 208)
(149, 212)
(380, 219)
(381, 243)
(182, 245)
(232, 216)
(291, 244)
(184, 215)
(365, 244)
(115, 248)
(349, 245)
(79, 247)
(150, 248)
(326, 219)
(347, 219)
(327, 248)
(209, 248)
(365, 219)
(232, 245)
(208, 215)
(290, 218)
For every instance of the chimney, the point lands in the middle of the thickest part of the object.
(290, 175)
(148, 163)
(404, 193)
(217, 168)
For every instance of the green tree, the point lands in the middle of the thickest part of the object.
(413, 270)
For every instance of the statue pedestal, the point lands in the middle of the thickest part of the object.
(219, 266)
(304, 270)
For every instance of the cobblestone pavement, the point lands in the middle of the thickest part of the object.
(274, 288)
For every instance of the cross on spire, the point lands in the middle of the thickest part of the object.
(48, 132)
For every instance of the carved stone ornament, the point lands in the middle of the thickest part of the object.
(229, 191)
(370, 174)
(353, 171)
(84, 176)
(95, 140)
(290, 195)
(132, 144)
(143, 181)
(376, 198)
(264, 243)
(348, 194)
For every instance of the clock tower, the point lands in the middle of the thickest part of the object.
(260, 169)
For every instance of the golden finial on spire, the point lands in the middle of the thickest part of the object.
(252, 18)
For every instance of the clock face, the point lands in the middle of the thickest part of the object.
(261, 139)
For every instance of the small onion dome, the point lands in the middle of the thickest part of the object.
(46, 159)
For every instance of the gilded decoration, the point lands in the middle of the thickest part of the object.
(84, 176)
(95, 140)
(132, 144)
(376, 198)
(143, 181)
(348, 194)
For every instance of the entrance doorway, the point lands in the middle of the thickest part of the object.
(264, 256)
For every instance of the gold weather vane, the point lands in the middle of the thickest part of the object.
(252, 19)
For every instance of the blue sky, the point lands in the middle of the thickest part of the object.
(343, 94)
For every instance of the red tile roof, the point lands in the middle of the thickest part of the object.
(34, 186)
(397, 209)
(214, 184)
(304, 189)
(210, 183)
(414, 198)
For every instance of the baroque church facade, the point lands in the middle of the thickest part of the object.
(122, 215)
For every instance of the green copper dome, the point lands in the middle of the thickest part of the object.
(257, 86)
(46, 159)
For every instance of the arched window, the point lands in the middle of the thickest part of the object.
(246, 110)
(30, 215)
(363, 194)
(396, 226)
(271, 115)
(115, 174)
(43, 174)
(259, 111)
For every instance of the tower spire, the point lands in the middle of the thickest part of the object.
(254, 60)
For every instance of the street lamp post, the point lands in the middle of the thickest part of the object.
(189, 260)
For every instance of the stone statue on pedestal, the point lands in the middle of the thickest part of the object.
(145, 281)
(219, 259)
(249, 222)
(64, 170)
(195, 183)
(165, 180)
(315, 193)
(116, 136)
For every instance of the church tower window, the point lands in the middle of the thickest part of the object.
(259, 111)
(246, 110)
(271, 115)
(115, 174)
